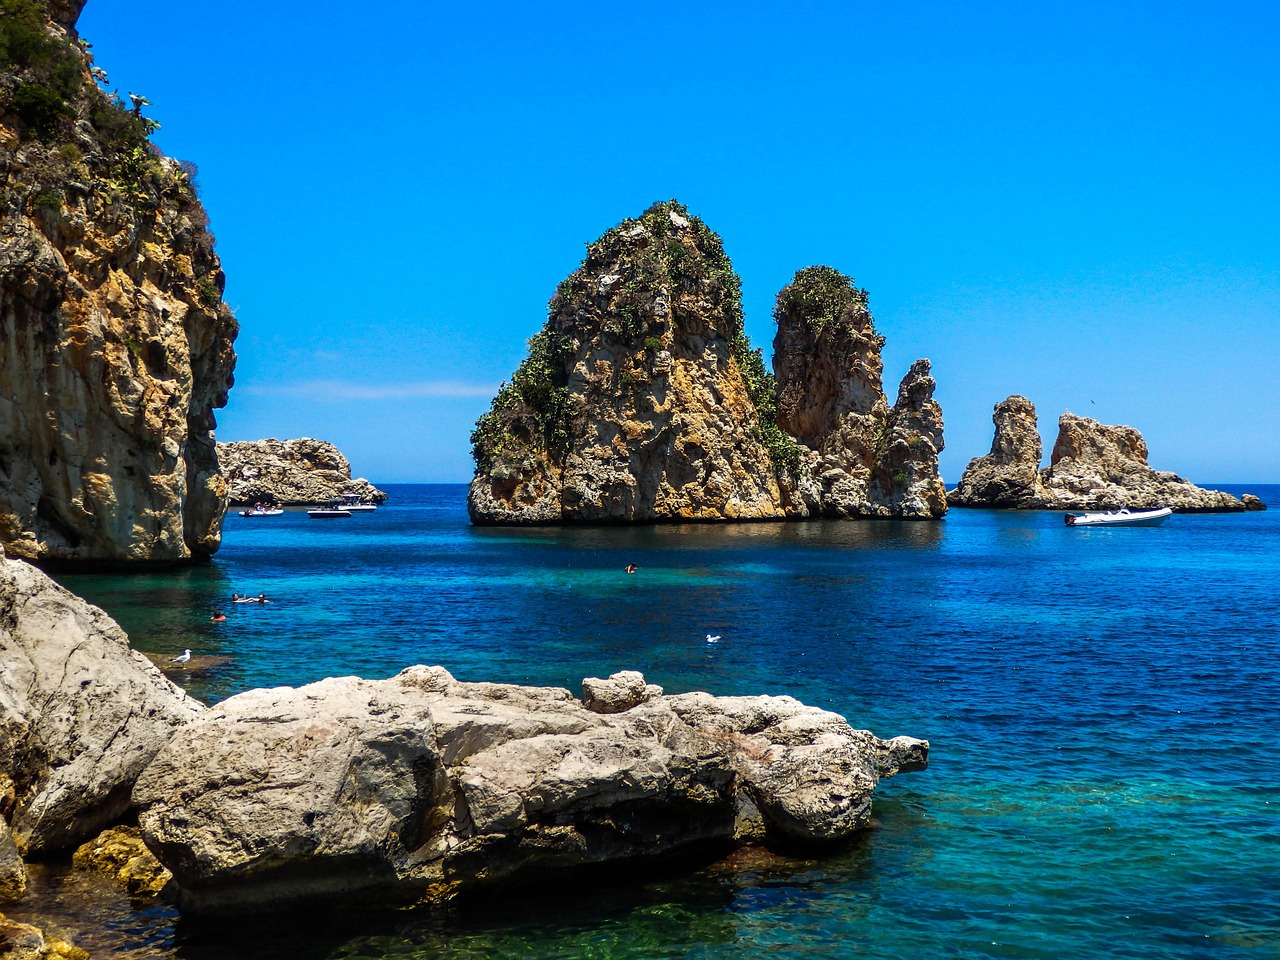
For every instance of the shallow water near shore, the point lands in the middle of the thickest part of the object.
(1102, 706)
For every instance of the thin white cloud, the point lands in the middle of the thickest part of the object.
(346, 390)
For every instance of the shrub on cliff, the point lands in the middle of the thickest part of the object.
(824, 299)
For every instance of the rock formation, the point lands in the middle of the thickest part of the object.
(120, 854)
(80, 713)
(22, 941)
(632, 404)
(641, 399)
(13, 872)
(858, 456)
(115, 345)
(419, 787)
(290, 472)
(1093, 467)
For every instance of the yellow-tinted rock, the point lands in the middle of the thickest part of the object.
(120, 853)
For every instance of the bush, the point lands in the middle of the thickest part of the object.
(40, 108)
(822, 298)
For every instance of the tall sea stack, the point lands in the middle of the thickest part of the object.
(115, 345)
(642, 400)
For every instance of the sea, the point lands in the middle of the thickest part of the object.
(1102, 704)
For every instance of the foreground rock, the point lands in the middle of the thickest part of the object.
(1093, 467)
(80, 713)
(642, 401)
(420, 787)
(290, 472)
(115, 345)
(13, 872)
(119, 853)
(22, 941)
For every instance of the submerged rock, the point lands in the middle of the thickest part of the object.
(1093, 466)
(115, 345)
(420, 787)
(13, 872)
(120, 854)
(290, 472)
(22, 941)
(80, 713)
(641, 399)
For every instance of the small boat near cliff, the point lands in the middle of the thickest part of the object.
(262, 512)
(1124, 517)
(330, 511)
(352, 502)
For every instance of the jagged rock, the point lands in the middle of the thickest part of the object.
(620, 691)
(1093, 467)
(120, 853)
(641, 399)
(80, 713)
(632, 404)
(1009, 476)
(421, 787)
(115, 345)
(22, 941)
(858, 457)
(290, 472)
(13, 872)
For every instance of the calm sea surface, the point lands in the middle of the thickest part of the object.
(1103, 708)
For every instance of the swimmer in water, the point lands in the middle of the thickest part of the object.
(218, 616)
(630, 568)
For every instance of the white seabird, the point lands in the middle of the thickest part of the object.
(711, 639)
(186, 655)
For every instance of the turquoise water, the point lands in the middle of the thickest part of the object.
(1103, 708)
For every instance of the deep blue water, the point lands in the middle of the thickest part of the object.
(1103, 707)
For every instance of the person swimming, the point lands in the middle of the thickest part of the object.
(218, 616)
(631, 568)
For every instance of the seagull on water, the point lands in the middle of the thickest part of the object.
(186, 655)
(711, 639)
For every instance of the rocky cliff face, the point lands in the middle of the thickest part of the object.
(641, 399)
(115, 346)
(632, 405)
(290, 472)
(858, 457)
(1093, 466)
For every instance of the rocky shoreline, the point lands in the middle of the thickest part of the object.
(414, 789)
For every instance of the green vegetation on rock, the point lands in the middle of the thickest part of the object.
(531, 413)
(823, 298)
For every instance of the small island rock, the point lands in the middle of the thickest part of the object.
(81, 714)
(290, 472)
(1093, 466)
(420, 787)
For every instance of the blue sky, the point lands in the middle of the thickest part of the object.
(1075, 202)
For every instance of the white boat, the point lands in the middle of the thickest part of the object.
(330, 511)
(352, 502)
(1124, 517)
(262, 512)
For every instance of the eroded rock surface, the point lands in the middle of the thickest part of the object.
(642, 400)
(858, 457)
(1093, 466)
(420, 786)
(81, 714)
(120, 854)
(115, 345)
(632, 404)
(23, 941)
(13, 872)
(290, 472)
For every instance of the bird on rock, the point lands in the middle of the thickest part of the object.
(186, 655)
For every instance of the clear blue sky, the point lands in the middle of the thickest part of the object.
(1075, 202)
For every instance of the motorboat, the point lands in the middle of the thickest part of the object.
(1124, 517)
(330, 511)
(262, 512)
(352, 502)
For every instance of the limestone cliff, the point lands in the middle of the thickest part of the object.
(290, 472)
(632, 405)
(858, 457)
(115, 346)
(641, 399)
(1093, 466)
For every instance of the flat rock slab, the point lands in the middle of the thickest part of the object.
(419, 786)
